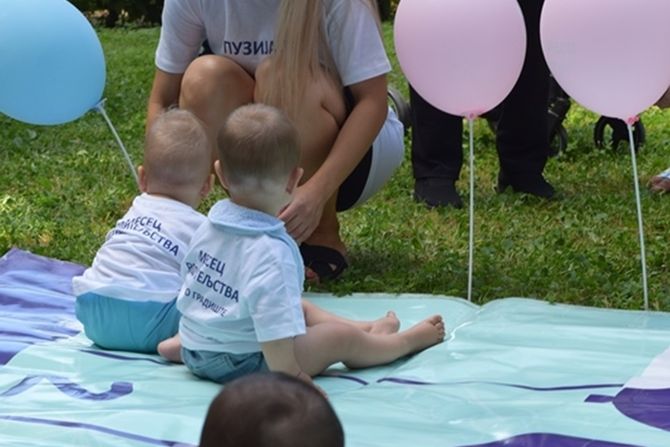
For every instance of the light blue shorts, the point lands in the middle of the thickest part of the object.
(223, 367)
(126, 325)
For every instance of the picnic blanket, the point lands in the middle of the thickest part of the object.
(513, 372)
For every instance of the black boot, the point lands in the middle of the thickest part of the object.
(536, 185)
(435, 192)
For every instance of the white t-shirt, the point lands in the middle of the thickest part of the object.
(243, 30)
(142, 255)
(243, 278)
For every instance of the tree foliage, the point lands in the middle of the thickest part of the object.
(148, 12)
(114, 12)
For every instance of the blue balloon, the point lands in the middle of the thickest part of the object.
(52, 68)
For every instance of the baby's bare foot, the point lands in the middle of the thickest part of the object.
(386, 325)
(427, 333)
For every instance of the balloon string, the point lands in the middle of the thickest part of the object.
(643, 257)
(471, 228)
(100, 107)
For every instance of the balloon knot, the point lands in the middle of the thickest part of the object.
(632, 120)
(100, 105)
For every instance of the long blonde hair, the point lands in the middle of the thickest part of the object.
(301, 51)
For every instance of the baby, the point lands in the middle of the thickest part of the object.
(126, 299)
(243, 275)
(278, 411)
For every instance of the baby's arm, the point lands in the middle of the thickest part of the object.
(280, 357)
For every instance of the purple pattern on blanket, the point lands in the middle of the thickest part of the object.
(404, 381)
(74, 390)
(648, 406)
(36, 299)
(95, 428)
(127, 358)
(550, 440)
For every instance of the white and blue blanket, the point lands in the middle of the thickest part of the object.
(514, 373)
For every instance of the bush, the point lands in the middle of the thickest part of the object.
(387, 9)
(113, 12)
(148, 12)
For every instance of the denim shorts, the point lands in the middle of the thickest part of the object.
(223, 367)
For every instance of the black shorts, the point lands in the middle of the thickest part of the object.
(352, 187)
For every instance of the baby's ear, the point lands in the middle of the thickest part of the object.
(142, 174)
(207, 186)
(294, 179)
(219, 173)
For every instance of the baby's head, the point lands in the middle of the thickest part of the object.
(271, 410)
(177, 157)
(259, 152)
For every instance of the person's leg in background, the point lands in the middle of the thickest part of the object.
(661, 183)
(522, 135)
(437, 153)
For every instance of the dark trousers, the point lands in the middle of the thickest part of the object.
(522, 135)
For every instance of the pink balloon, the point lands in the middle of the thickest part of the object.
(611, 56)
(462, 56)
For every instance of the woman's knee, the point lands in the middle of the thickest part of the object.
(212, 75)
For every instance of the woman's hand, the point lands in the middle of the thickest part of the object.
(303, 214)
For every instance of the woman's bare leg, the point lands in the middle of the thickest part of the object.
(328, 343)
(314, 315)
(212, 88)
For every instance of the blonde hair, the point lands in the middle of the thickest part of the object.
(177, 150)
(301, 51)
(258, 142)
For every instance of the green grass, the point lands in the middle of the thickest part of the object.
(63, 187)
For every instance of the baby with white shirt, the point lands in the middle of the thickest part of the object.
(126, 299)
(241, 299)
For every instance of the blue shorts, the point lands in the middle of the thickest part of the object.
(125, 325)
(223, 367)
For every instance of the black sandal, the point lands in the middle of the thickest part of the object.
(326, 262)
